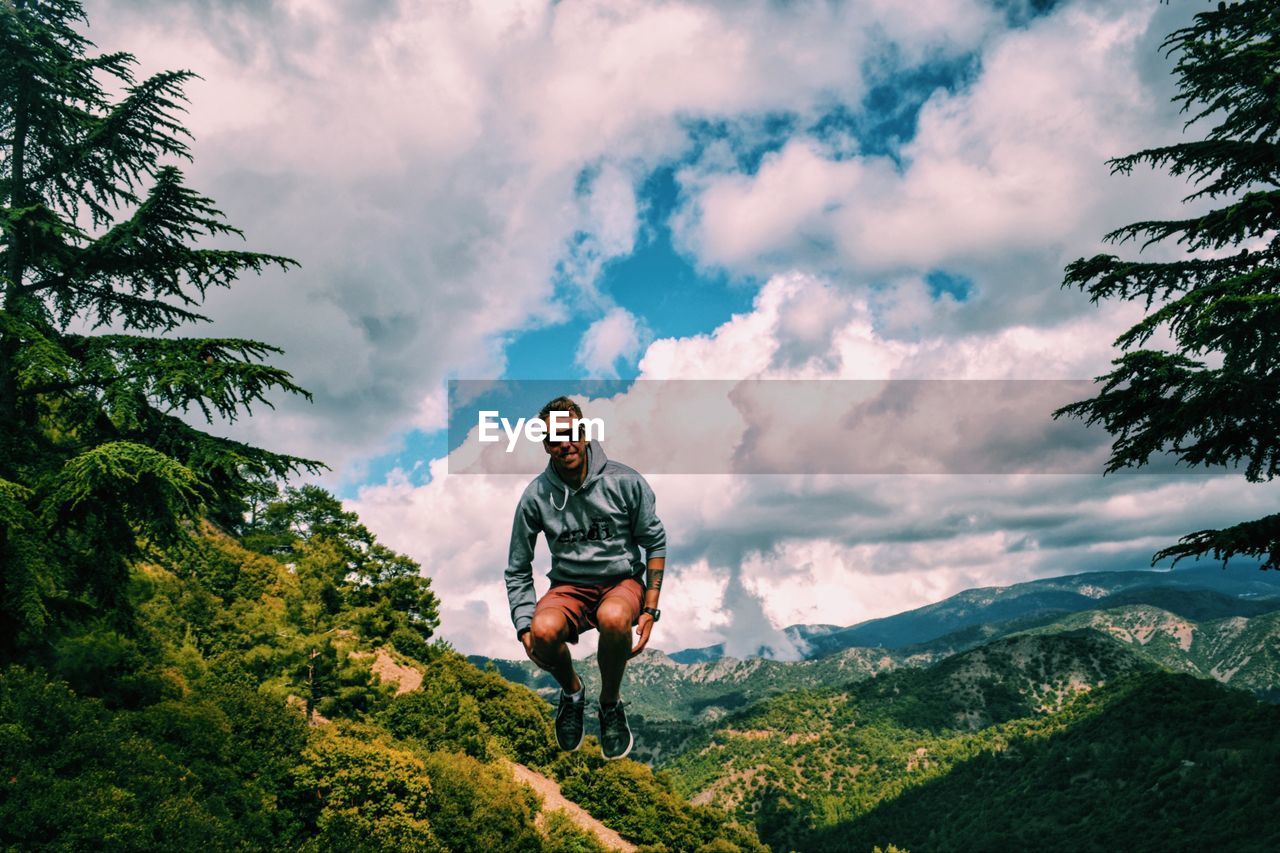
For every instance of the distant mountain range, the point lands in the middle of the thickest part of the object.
(1054, 741)
(1045, 598)
(1224, 626)
(1053, 714)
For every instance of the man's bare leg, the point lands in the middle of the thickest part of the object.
(550, 630)
(614, 622)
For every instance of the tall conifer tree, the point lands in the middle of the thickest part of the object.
(99, 230)
(1214, 400)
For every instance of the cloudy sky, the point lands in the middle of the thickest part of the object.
(685, 190)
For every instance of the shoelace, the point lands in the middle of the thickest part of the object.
(609, 712)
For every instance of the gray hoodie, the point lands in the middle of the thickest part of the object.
(594, 533)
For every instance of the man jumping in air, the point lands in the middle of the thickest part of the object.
(597, 515)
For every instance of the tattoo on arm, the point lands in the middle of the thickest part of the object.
(655, 580)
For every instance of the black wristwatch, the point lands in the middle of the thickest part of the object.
(652, 611)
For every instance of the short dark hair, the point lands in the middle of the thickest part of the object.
(559, 404)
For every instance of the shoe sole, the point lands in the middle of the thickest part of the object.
(576, 746)
(631, 741)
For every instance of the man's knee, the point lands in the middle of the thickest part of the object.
(613, 618)
(549, 629)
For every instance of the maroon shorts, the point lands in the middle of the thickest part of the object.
(579, 602)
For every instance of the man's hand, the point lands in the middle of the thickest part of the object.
(526, 640)
(644, 628)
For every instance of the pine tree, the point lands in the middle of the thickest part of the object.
(1214, 400)
(99, 230)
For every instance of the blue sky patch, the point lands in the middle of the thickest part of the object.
(888, 115)
(941, 282)
(663, 288)
(1020, 13)
(417, 449)
(655, 282)
(750, 138)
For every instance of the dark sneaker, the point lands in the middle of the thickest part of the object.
(569, 728)
(615, 734)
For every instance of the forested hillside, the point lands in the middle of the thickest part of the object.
(1043, 732)
(181, 720)
(1066, 742)
(189, 658)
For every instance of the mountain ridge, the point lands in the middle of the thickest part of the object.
(829, 769)
(661, 688)
(982, 605)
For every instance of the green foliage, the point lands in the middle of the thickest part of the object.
(643, 806)
(177, 775)
(197, 733)
(331, 681)
(372, 795)
(564, 836)
(933, 758)
(377, 794)
(1156, 762)
(440, 716)
(97, 228)
(101, 662)
(1215, 399)
(517, 720)
(341, 566)
(480, 807)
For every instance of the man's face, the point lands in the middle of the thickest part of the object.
(568, 456)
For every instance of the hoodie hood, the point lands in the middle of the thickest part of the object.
(596, 462)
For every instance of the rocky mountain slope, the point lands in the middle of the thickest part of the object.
(1227, 636)
(1241, 651)
(831, 769)
(1251, 591)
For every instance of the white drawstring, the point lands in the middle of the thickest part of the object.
(566, 500)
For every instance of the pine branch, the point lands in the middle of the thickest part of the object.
(108, 156)
(100, 306)
(37, 239)
(39, 358)
(223, 462)
(1109, 277)
(27, 581)
(1162, 403)
(1238, 164)
(1259, 538)
(1227, 66)
(216, 375)
(1196, 319)
(1254, 215)
(127, 272)
(152, 490)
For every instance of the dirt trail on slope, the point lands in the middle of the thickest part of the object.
(405, 678)
(552, 799)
